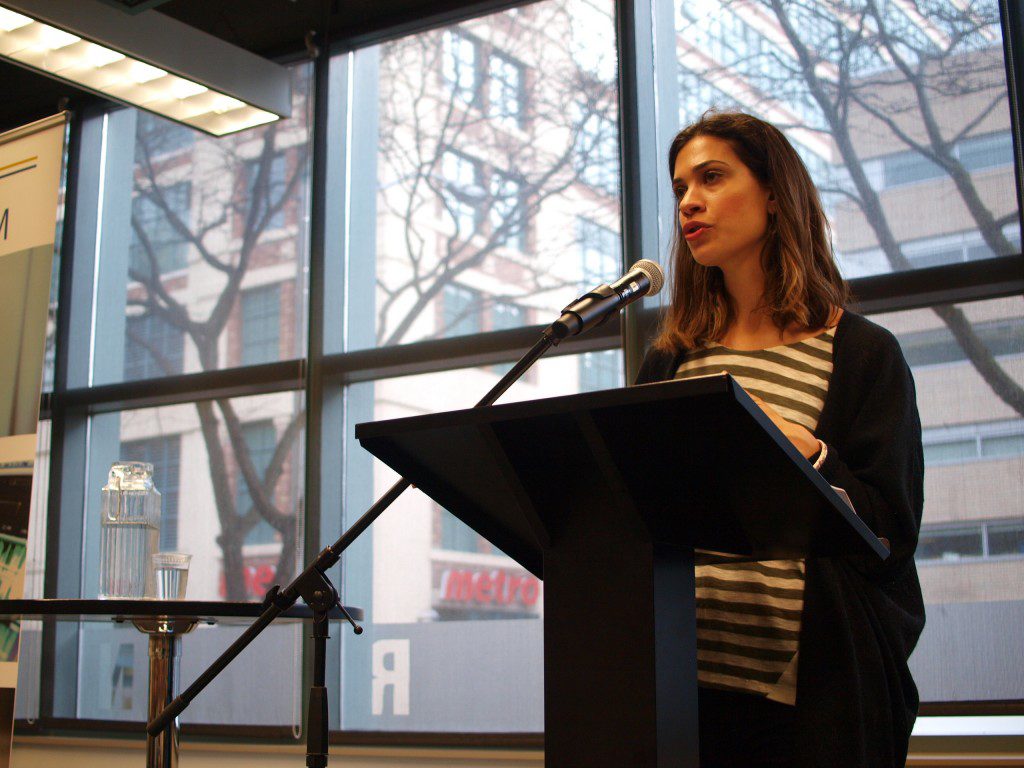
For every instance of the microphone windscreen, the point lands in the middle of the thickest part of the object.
(654, 274)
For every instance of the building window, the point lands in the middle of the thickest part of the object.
(597, 157)
(164, 453)
(153, 348)
(261, 325)
(461, 65)
(989, 540)
(456, 535)
(261, 442)
(506, 93)
(972, 442)
(462, 311)
(156, 136)
(269, 200)
(976, 153)
(157, 215)
(463, 191)
(600, 370)
(600, 249)
(508, 211)
(938, 346)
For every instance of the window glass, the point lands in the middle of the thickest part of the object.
(213, 220)
(973, 494)
(243, 537)
(1006, 539)
(887, 103)
(950, 545)
(453, 637)
(261, 324)
(482, 190)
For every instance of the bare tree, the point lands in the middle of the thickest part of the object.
(521, 121)
(924, 78)
(245, 206)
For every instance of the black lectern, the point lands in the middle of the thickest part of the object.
(605, 496)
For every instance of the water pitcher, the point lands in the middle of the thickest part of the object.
(129, 531)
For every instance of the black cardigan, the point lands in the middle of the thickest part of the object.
(856, 701)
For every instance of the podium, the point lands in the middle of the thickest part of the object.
(605, 496)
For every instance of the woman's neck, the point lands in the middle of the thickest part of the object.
(752, 327)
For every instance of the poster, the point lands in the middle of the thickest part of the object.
(31, 164)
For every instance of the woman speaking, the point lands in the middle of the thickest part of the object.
(804, 662)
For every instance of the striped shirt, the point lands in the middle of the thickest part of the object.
(748, 613)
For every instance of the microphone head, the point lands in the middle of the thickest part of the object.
(654, 274)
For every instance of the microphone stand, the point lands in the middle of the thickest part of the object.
(316, 590)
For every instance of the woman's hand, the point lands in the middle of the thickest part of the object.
(798, 435)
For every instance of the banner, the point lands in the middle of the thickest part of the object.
(31, 162)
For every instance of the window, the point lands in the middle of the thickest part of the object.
(937, 345)
(261, 441)
(977, 153)
(463, 191)
(461, 65)
(462, 311)
(506, 89)
(158, 217)
(261, 325)
(269, 196)
(164, 453)
(456, 535)
(162, 137)
(985, 541)
(153, 348)
(508, 212)
(988, 440)
(598, 156)
(481, 192)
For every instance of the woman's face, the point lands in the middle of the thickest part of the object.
(723, 209)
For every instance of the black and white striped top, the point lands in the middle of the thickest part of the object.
(748, 613)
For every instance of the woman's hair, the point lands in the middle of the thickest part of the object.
(802, 283)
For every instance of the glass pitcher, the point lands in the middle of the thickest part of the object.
(129, 531)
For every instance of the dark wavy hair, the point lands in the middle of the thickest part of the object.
(803, 286)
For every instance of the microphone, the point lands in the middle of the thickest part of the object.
(644, 278)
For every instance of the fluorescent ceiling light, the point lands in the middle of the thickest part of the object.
(147, 60)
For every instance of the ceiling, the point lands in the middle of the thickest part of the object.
(271, 28)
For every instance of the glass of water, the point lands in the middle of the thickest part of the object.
(170, 570)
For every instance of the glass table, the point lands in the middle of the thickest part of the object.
(164, 621)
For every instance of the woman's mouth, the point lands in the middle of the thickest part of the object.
(694, 230)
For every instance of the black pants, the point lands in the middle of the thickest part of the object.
(739, 730)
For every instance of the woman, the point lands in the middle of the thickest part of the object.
(800, 663)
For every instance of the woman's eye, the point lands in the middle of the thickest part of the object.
(712, 176)
(679, 192)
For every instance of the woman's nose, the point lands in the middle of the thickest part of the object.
(690, 205)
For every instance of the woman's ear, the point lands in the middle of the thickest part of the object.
(772, 208)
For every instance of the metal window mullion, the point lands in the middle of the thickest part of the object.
(639, 138)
